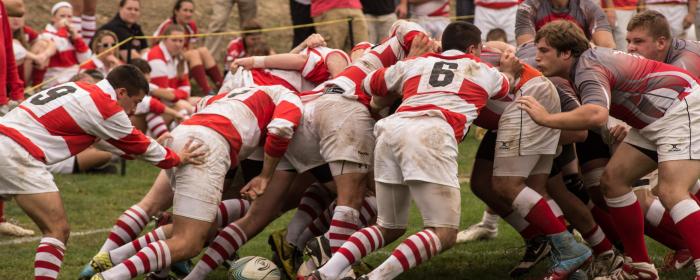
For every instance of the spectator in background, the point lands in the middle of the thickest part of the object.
(71, 49)
(619, 13)
(433, 15)
(300, 10)
(221, 9)
(84, 18)
(492, 14)
(680, 13)
(200, 61)
(125, 25)
(27, 49)
(169, 70)
(380, 15)
(251, 44)
(12, 87)
(105, 57)
(338, 35)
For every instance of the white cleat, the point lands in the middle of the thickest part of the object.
(477, 232)
(7, 228)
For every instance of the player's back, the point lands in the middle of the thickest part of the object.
(641, 90)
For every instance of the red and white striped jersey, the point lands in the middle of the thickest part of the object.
(248, 117)
(348, 82)
(452, 85)
(69, 54)
(190, 29)
(149, 105)
(164, 72)
(434, 8)
(62, 121)
(313, 72)
(497, 4)
(235, 49)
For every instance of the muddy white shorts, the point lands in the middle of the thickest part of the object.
(198, 188)
(416, 148)
(22, 173)
(439, 205)
(676, 135)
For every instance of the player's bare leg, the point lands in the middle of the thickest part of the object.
(47, 212)
(626, 166)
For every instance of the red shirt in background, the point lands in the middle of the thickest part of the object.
(319, 7)
(11, 87)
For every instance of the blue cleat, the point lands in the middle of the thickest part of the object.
(567, 255)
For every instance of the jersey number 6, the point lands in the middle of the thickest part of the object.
(441, 76)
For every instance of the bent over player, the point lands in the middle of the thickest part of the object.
(58, 123)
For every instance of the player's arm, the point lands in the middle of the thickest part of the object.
(572, 136)
(383, 85)
(689, 18)
(285, 120)
(525, 23)
(314, 40)
(285, 61)
(602, 34)
(585, 117)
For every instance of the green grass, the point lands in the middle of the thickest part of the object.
(95, 201)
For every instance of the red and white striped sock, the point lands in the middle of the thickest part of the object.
(231, 210)
(660, 226)
(224, 245)
(153, 257)
(126, 251)
(368, 212)
(88, 26)
(360, 244)
(629, 224)
(156, 125)
(596, 238)
(128, 226)
(686, 214)
(314, 200)
(318, 227)
(411, 252)
(48, 258)
(525, 229)
(530, 205)
(345, 222)
(557, 211)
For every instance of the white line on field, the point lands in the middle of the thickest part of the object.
(37, 238)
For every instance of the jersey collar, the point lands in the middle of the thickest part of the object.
(107, 88)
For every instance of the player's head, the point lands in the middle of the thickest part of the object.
(142, 65)
(183, 11)
(253, 40)
(497, 34)
(559, 44)
(61, 14)
(462, 36)
(129, 84)
(175, 45)
(649, 35)
(90, 76)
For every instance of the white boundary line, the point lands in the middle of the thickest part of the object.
(37, 238)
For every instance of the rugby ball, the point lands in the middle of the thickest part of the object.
(253, 268)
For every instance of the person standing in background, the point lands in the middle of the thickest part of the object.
(380, 15)
(338, 35)
(247, 10)
(84, 18)
(465, 8)
(300, 10)
(680, 13)
(619, 13)
(433, 15)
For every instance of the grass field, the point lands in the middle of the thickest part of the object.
(95, 201)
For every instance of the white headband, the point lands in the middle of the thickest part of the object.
(62, 4)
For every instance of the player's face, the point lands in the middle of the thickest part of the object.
(175, 44)
(548, 61)
(639, 41)
(130, 12)
(105, 43)
(16, 23)
(128, 103)
(184, 14)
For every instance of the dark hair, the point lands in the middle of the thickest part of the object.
(95, 74)
(178, 5)
(141, 64)
(563, 35)
(497, 34)
(123, 2)
(460, 36)
(654, 22)
(128, 77)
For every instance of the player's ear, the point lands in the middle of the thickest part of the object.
(121, 92)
